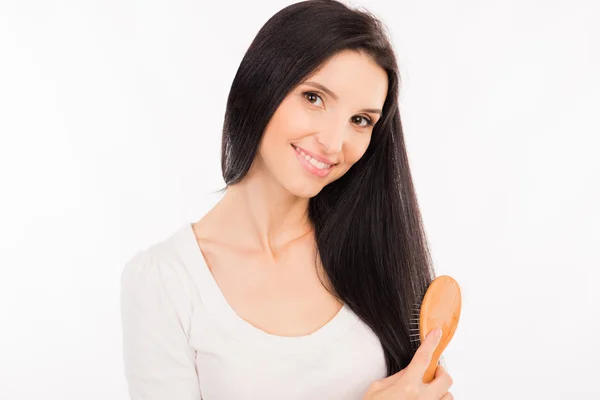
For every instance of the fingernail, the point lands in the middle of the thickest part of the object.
(438, 333)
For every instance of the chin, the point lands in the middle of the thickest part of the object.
(303, 189)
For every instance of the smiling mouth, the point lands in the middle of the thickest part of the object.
(313, 161)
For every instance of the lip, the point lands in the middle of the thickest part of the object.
(321, 173)
(315, 156)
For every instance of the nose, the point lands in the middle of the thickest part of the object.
(331, 137)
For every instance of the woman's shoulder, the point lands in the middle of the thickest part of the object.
(156, 289)
(159, 267)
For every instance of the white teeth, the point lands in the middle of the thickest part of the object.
(312, 161)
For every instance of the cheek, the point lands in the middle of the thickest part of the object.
(274, 137)
(357, 149)
(288, 123)
(352, 153)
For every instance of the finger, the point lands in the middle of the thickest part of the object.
(392, 378)
(440, 383)
(424, 353)
(440, 370)
(398, 375)
(447, 396)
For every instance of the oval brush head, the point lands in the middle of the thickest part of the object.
(440, 308)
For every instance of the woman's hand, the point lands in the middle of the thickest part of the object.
(408, 383)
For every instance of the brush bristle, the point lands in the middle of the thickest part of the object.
(414, 331)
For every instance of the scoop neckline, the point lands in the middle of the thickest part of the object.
(217, 305)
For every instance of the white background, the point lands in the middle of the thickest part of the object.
(110, 122)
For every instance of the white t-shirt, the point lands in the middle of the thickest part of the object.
(183, 341)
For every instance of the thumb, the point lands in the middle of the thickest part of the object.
(388, 381)
(424, 353)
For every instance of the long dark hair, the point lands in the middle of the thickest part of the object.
(368, 226)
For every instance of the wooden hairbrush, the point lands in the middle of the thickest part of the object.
(440, 308)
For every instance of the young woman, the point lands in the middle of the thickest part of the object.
(300, 282)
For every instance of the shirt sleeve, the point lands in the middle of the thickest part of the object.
(155, 315)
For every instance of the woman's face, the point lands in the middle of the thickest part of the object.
(324, 125)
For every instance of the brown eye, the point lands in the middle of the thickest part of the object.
(312, 97)
(359, 118)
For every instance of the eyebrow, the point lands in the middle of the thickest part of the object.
(335, 97)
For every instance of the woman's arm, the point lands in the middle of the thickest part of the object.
(155, 314)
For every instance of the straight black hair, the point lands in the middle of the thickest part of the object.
(368, 226)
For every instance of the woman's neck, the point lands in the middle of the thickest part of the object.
(259, 214)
